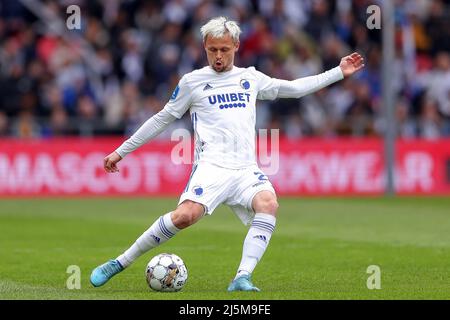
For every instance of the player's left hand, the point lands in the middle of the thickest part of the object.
(352, 63)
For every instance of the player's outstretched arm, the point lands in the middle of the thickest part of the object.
(150, 129)
(178, 104)
(303, 86)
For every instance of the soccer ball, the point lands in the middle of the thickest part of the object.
(166, 272)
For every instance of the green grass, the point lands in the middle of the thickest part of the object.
(320, 250)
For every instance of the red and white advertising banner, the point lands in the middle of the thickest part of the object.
(73, 166)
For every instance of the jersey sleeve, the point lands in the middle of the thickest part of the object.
(267, 87)
(181, 99)
(303, 86)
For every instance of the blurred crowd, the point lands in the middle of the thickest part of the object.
(120, 68)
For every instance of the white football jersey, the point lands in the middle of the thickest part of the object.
(222, 108)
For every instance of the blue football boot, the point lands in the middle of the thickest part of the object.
(106, 271)
(242, 283)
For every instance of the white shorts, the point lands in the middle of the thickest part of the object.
(211, 186)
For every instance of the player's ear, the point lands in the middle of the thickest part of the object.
(236, 46)
(204, 42)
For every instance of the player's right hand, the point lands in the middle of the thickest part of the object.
(110, 162)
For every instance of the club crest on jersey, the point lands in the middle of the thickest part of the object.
(245, 84)
(197, 190)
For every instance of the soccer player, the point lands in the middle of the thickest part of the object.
(221, 99)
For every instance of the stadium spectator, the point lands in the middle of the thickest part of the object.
(47, 74)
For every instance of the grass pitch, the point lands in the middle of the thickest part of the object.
(321, 249)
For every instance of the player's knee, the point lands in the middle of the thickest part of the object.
(181, 220)
(271, 206)
(267, 205)
(187, 214)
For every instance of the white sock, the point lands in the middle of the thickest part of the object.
(256, 242)
(161, 230)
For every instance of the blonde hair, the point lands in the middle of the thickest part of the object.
(218, 27)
